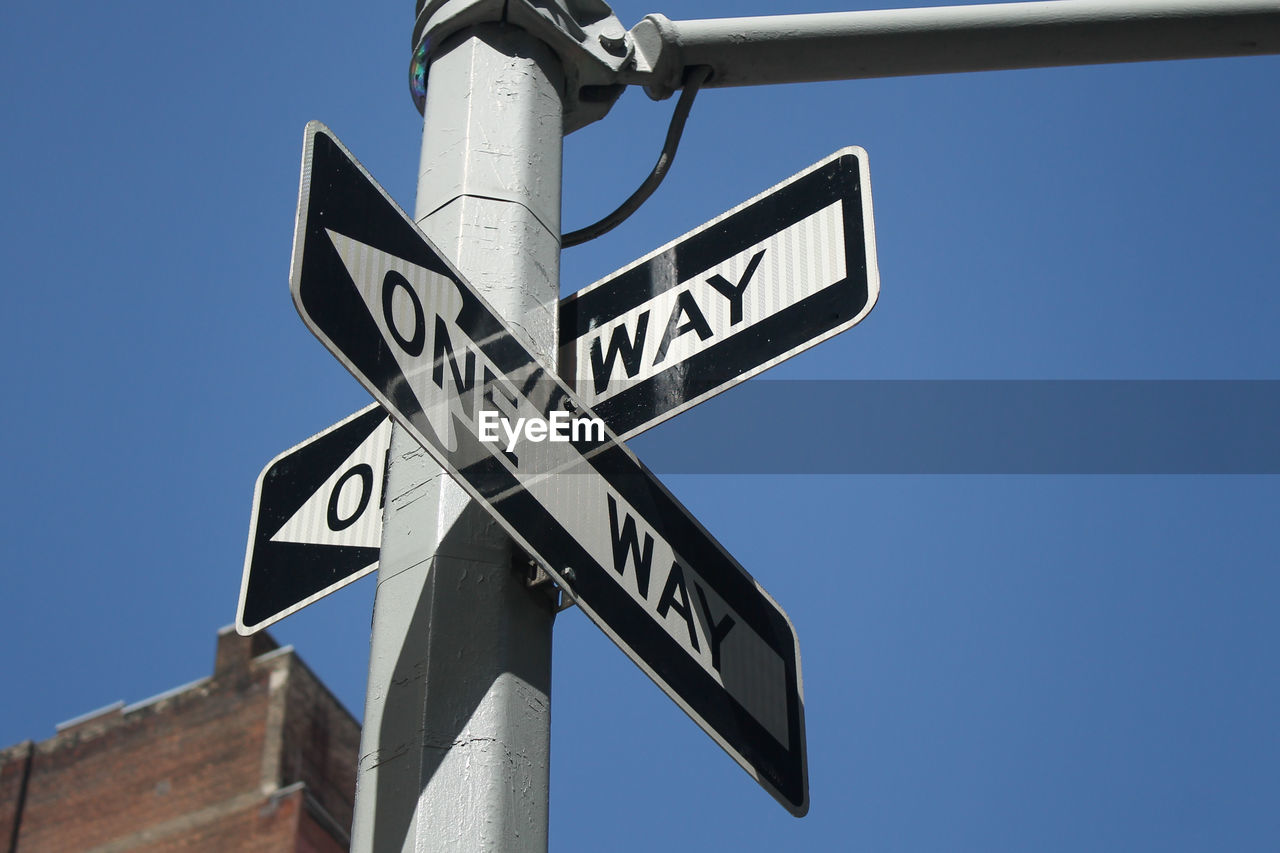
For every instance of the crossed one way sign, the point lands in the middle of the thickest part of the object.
(765, 280)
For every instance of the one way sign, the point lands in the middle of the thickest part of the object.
(432, 351)
(776, 275)
(770, 278)
(317, 519)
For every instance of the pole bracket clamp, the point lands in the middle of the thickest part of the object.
(594, 48)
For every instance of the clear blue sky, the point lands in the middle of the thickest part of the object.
(1063, 662)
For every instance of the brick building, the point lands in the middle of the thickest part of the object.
(258, 758)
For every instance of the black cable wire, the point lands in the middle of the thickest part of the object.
(694, 77)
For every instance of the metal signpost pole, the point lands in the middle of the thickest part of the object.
(456, 741)
(949, 39)
(455, 746)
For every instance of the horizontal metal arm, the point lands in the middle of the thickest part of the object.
(902, 42)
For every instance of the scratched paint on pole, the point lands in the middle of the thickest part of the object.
(415, 333)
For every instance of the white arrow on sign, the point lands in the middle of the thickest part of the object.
(343, 511)
(427, 346)
(770, 278)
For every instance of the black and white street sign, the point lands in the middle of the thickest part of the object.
(767, 280)
(784, 271)
(428, 347)
(317, 519)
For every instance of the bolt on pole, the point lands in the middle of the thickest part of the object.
(455, 750)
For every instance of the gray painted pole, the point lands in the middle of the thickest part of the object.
(947, 39)
(455, 751)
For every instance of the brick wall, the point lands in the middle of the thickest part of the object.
(259, 757)
(14, 764)
(320, 746)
